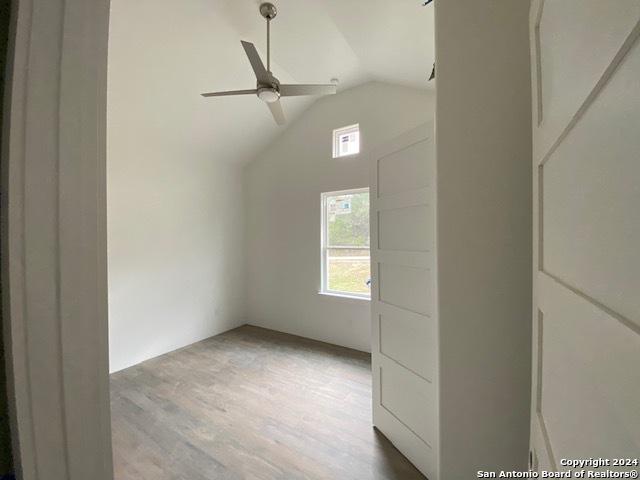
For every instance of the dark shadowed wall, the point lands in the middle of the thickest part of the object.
(5, 444)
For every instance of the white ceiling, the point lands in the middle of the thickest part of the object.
(164, 53)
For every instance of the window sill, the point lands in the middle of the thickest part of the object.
(346, 155)
(345, 296)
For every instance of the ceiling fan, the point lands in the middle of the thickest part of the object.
(268, 88)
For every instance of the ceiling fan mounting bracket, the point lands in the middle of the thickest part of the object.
(268, 10)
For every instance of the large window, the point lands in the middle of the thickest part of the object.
(345, 243)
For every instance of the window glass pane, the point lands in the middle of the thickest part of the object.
(348, 220)
(348, 270)
(344, 145)
(354, 143)
(347, 236)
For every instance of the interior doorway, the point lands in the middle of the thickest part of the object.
(219, 217)
(58, 336)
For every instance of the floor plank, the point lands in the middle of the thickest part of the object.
(251, 404)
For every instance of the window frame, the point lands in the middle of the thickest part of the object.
(338, 132)
(324, 277)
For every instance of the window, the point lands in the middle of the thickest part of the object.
(346, 141)
(346, 268)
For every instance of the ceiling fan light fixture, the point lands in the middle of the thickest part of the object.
(268, 95)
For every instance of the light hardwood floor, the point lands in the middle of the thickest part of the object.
(251, 404)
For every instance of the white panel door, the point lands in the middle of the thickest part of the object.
(586, 378)
(403, 296)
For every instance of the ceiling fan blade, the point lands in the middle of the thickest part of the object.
(258, 67)
(296, 90)
(231, 92)
(276, 111)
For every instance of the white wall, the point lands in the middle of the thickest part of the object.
(282, 197)
(175, 226)
(175, 253)
(483, 142)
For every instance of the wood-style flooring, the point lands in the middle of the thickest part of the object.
(251, 404)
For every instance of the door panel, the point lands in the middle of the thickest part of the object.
(405, 287)
(409, 339)
(402, 170)
(586, 384)
(403, 313)
(590, 33)
(408, 400)
(592, 233)
(410, 220)
(590, 380)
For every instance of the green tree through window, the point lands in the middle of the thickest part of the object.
(349, 229)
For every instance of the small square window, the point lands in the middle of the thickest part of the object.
(346, 141)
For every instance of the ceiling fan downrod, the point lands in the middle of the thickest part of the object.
(269, 12)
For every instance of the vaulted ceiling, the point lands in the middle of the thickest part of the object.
(164, 53)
